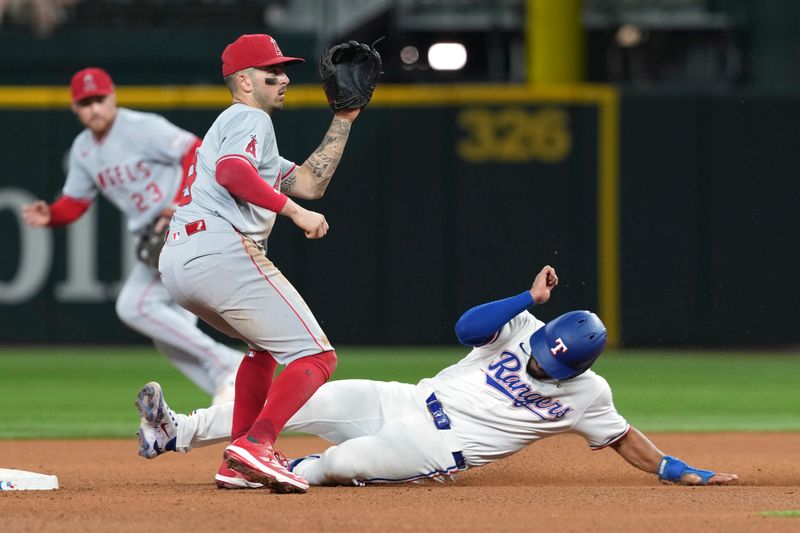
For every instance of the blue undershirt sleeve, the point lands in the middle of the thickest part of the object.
(477, 326)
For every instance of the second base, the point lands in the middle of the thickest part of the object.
(22, 480)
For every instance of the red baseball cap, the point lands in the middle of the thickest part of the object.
(254, 50)
(91, 81)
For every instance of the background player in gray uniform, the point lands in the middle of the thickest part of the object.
(214, 263)
(135, 160)
(523, 381)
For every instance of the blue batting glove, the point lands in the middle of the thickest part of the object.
(672, 470)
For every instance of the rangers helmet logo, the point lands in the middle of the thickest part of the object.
(559, 347)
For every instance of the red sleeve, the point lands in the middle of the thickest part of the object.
(241, 179)
(187, 160)
(66, 210)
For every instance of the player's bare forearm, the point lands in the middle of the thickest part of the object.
(639, 451)
(312, 178)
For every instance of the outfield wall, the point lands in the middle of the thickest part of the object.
(669, 214)
(710, 242)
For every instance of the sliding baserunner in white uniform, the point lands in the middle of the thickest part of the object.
(523, 381)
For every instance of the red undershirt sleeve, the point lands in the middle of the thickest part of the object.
(241, 179)
(66, 210)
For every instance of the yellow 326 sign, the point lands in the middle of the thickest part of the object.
(514, 135)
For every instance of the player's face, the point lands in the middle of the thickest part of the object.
(96, 112)
(536, 371)
(269, 87)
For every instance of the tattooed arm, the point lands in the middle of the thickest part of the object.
(312, 178)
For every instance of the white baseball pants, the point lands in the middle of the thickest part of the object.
(384, 433)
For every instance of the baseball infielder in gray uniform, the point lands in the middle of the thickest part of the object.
(523, 381)
(136, 161)
(214, 262)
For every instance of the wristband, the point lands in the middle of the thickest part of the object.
(672, 470)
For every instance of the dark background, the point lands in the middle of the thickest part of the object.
(709, 107)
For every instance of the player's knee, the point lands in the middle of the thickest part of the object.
(327, 361)
(127, 311)
(342, 467)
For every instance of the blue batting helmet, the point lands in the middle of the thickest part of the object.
(568, 345)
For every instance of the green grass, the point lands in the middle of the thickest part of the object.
(89, 392)
(705, 391)
(783, 514)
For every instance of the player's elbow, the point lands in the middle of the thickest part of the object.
(315, 193)
(306, 185)
(464, 333)
(468, 333)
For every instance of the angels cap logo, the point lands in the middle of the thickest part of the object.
(559, 347)
(89, 83)
(277, 48)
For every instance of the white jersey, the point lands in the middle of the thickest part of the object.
(243, 132)
(137, 165)
(496, 408)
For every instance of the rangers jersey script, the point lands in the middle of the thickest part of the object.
(244, 132)
(496, 408)
(136, 165)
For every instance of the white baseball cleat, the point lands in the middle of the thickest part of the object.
(260, 463)
(231, 479)
(226, 389)
(158, 430)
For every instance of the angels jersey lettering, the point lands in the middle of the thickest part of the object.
(136, 165)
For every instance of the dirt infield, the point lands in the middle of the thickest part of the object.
(555, 485)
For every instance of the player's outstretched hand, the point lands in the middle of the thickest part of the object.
(545, 281)
(36, 214)
(717, 479)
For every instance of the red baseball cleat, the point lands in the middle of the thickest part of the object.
(231, 479)
(260, 463)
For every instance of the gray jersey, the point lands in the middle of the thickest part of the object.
(242, 132)
(137, 165)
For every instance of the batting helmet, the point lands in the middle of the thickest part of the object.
(568, 345)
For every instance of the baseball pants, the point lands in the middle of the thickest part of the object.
(226, 279)
(383, 433)
(145, 306)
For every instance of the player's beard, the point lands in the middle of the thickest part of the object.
(267, 104)
(100, 123)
